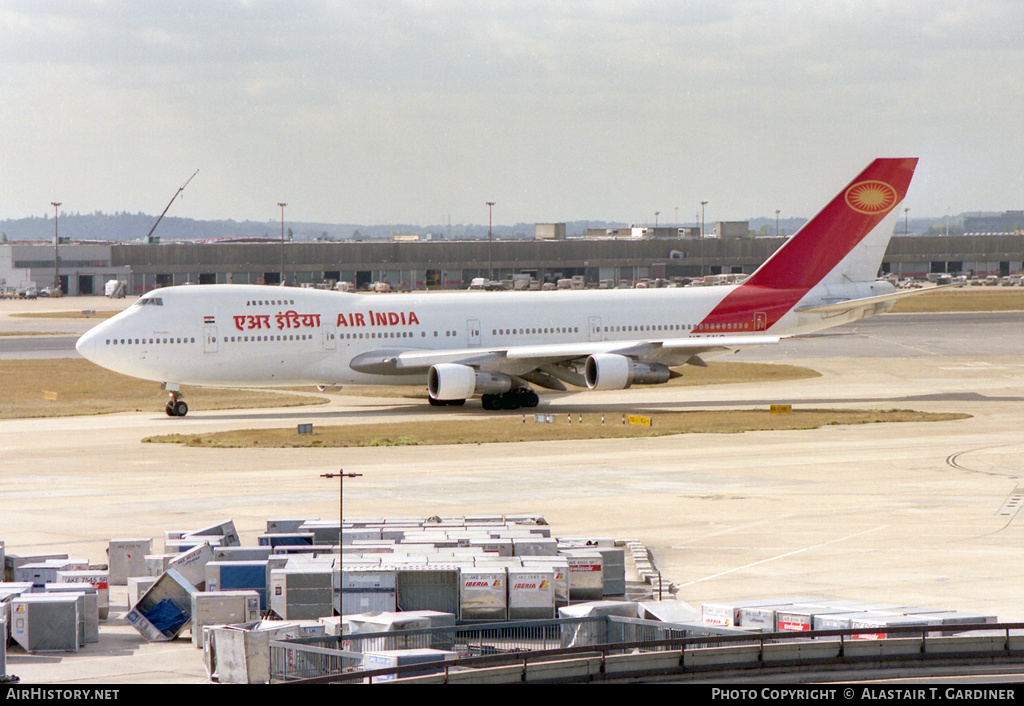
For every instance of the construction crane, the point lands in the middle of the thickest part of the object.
(149, 236)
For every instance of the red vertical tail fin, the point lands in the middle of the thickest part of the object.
(844, 243)
(839, 228)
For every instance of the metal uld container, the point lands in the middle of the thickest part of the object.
(484, 594)
(127, 557)
(97, 579)
(302, 592)
(43, 622)
(586, 574)
(367, 590)
(163, 611)
(239, 575)
(222, 608)
(383, 659)
(531, 594)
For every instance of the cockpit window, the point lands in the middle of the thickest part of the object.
(150, 301)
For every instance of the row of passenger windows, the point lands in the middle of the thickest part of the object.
(256, 339)
(526, 331)
(147, 341)
(448, 334)
(271, 302)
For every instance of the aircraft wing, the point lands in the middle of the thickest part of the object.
(522, 360)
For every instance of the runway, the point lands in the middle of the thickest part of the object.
(913, 514)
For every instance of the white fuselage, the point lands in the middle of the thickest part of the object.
(247, 335)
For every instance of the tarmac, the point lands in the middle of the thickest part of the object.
(922, 514)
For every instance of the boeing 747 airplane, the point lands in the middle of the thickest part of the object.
(499, 345)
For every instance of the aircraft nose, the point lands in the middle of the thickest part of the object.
(86, 345)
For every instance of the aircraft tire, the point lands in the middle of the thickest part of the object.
(528, 398)
(490, 402)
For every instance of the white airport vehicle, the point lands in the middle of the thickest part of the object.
(497, 345)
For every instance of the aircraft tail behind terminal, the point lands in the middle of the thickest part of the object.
(842, 245)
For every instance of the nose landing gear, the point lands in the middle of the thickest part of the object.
(176, 406)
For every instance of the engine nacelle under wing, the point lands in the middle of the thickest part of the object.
(450, 381)
(607, 371)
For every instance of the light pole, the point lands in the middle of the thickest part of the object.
(341, 476)
(702, 205)
(906, 221)
(56, 243)
(776, 223)
(282, 205)
(490, 262)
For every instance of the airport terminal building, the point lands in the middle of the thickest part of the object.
(614, 260)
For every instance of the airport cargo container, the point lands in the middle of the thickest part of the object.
(241, 553)
(127, 557)
(156, 564)
(192, 564)
(385, 659)
(483, 594)
(755, 613)
(222, 534)
(578, 634)
(285, 539)
(301, 592)
(531, 593)
(559, 568)
(398, 623)
(427, 588)
(586, 574)
(847, 611)
(97, 579)
(222, 608)
(875, 624)
(88, 609)
(492, 545)
(367, 590)
(43, 622)
(137, 587)
(395, 623)
(164, 611)
(287, 525)
(533, 545)
(242, 575)
(614, 570)
(13, 561)
(43, 572)
(800, 618)
(836, 621)
(951, 619)
(10, 590)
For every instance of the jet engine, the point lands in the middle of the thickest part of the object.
(607, 371)
(450, 381)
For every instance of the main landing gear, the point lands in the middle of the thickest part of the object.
(176, 406)
(513, 399)
(445, 403)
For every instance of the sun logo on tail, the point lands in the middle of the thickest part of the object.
(871, 197)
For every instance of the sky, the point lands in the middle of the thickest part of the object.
(418, 112)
